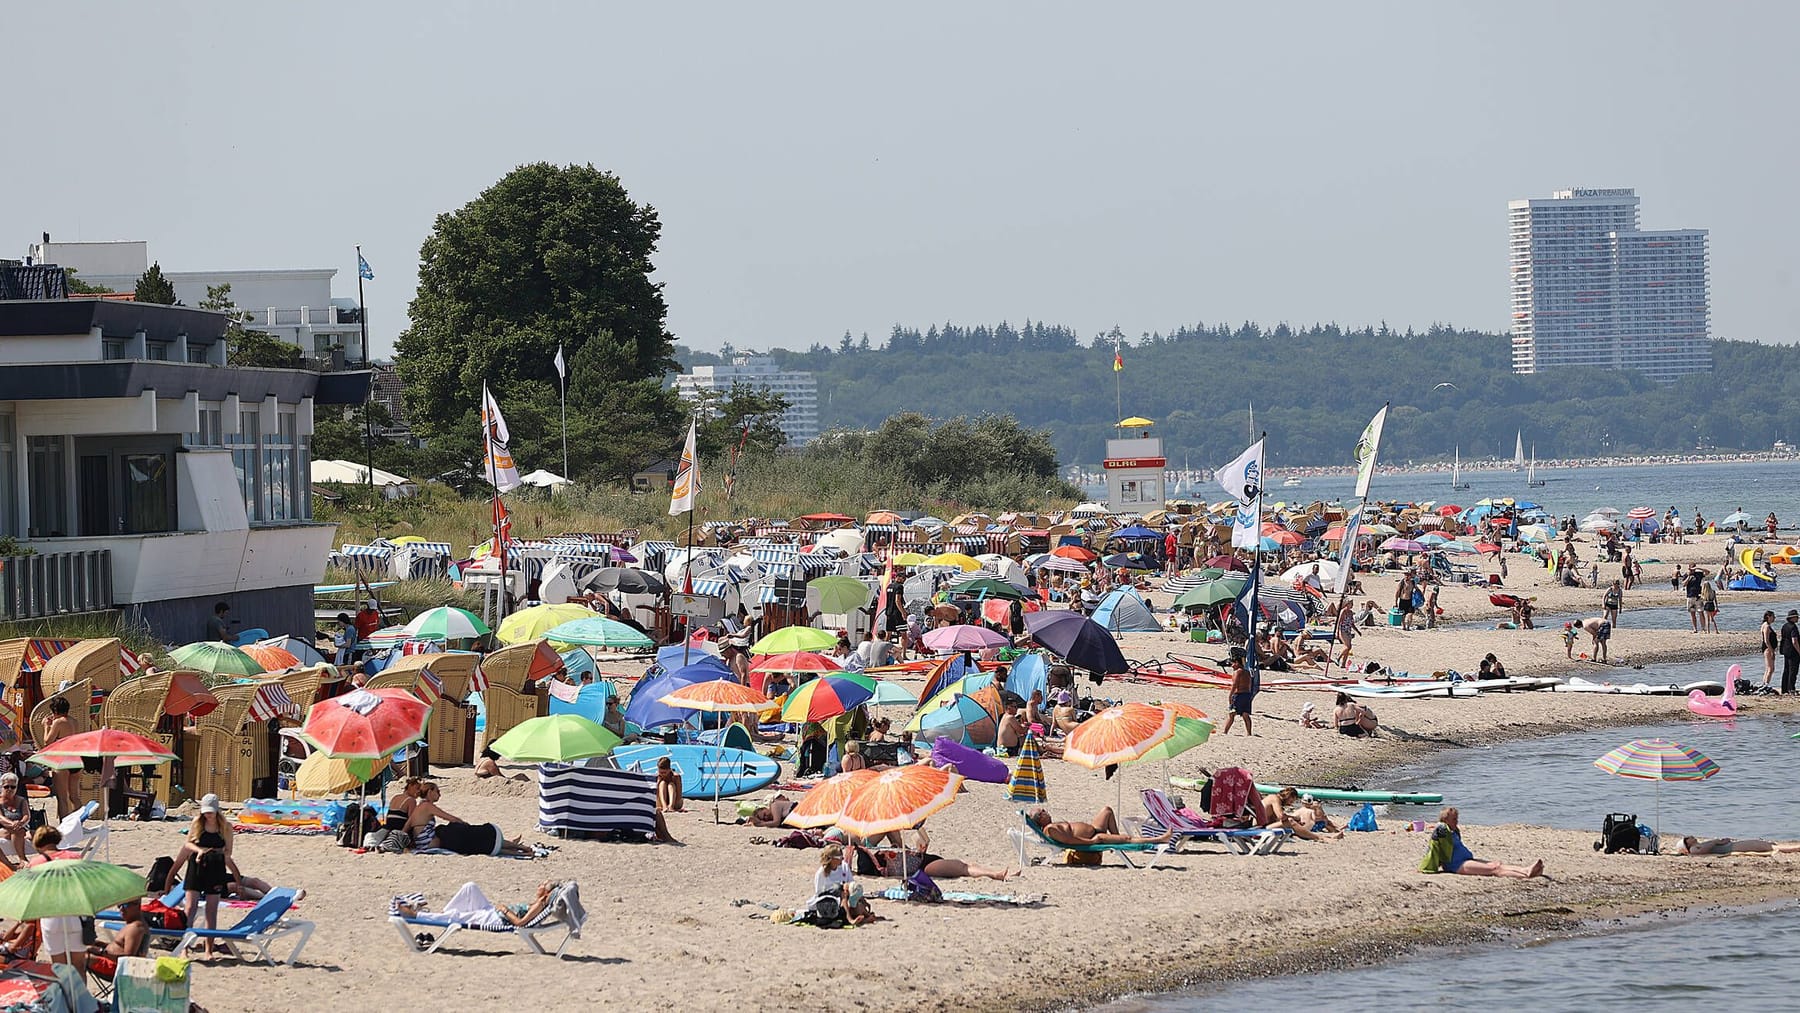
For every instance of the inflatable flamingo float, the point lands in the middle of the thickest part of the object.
(1724, 707)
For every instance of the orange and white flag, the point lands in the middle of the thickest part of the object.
(686, 490)
(502, 473)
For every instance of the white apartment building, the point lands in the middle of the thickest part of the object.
(294, 305)
(801, 420)
(1589, 288)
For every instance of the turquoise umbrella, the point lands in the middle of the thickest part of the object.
(599, 631)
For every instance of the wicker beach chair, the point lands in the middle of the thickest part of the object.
(96, 661)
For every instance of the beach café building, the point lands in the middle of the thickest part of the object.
(144, 474)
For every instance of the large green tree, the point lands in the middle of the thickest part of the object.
(152, 287)
(549, 256)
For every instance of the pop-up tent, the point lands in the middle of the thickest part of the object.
(1123, 611)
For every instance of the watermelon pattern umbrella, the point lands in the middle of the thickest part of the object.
(828, 696)
(366, 724)
(123, 748)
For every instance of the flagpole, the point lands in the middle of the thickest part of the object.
(562, 382)
(1254, 612)
(362, 317)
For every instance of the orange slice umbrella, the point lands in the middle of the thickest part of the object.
(1119, 734)
(1183, 710)
(272, 659)
(717, 695)
(823, 805)
(898, 799)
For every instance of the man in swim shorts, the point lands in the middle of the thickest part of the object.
(1242, 693)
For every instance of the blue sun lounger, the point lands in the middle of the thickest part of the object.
(564, 912)
(261, 926)
(1124, 851)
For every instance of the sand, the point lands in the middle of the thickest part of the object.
(683, 925)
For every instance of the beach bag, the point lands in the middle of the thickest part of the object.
(161, 916)
(921, 887)
(1083, 858)
(1418, 599)
(158, 877)
(826, 912)
(1364, 819)
(1619, 832)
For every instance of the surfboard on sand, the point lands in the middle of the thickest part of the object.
(705, 771)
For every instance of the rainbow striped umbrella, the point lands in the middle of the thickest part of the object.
(1027, 783)
(1657, 760)
(828, 696)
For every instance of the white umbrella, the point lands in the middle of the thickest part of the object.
(1328, 571)
(1737, 517)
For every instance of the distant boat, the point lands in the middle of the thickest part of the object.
(1291, 482)
(1518, 451)
(1456, 481)
(1531, 479)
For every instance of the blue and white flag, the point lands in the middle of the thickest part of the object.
(1249, 613)
(1366, 447)
(362, 269)
(1242, 479)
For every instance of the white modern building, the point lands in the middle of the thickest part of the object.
(295, 305)
(1589, 288)
(801, 420)
(147, 476)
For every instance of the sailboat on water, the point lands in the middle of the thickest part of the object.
(1456, 481)
(1531, 479)
(1519, 451)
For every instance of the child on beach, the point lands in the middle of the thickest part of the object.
(1241, 693)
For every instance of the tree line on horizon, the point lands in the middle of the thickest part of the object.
(1312, 388)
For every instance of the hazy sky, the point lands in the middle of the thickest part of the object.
(824, 167)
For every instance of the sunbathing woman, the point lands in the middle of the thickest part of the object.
(1446, 853)
(469, 906)
(1306, 822)
(918, 857)
(1728, 846)
(466, 839)
(1103, 830)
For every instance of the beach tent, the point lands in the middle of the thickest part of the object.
(1123, 611)
(589, 702)
(645, 709)
(1750, 582)
(543, 479)
(1029, 672)
(351, 473)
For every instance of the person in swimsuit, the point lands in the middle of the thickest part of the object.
(1104, 829)
(1728, 846)
(1352, 718)
(207, 852)
(1770, 641)
(1307, 823)
(15, 818)
(668, 786)
(58, 725)
(1448, 854)
(902, 862)
(422, 825)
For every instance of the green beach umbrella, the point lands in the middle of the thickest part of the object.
(558, 738)
(1214, 591)
(598, 631)
(68, 887)
(988, 587)
(840, 595)
(215, 657)
(794, 638)
(446, 623)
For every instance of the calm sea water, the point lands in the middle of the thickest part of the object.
(1713, 489)
(1739, 959)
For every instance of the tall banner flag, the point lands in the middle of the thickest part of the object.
(1347, 554)
(1366, 446)
(1242, 480)
(686, 490)
(502, 474)
(362, 268)
(1118, 358)
(562, 365)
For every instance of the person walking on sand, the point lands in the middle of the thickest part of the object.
(1790, 651)
(1709, 605)
(1691, 587)
(1242, 693)
(1403, 600)
(1612, 600)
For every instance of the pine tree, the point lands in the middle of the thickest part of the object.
(152, 287)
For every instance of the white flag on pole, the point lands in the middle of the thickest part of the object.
(1366, 446)
(687, 476)
(1346, 554)
(562, 365)
(502, 474)
(1242, 479)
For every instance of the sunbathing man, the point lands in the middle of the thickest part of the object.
(1013, 731)
(1103, 830)
(902, 861)
(1728, 846)
(470, 907)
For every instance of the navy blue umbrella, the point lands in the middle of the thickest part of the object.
(1128, 561)
(1078, 640)
(1136, 531)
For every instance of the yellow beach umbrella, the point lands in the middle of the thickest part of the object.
(532, 623)
(963, 562)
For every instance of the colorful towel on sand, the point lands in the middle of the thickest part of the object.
(967, 897)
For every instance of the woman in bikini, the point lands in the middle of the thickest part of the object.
(422, 827)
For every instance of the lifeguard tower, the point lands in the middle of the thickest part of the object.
(1134, 468)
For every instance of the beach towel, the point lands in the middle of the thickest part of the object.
(1231, 789)
(967, 897)
(1438, 852)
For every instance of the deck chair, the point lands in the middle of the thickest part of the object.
(1249, 841)
(1027, 832)
(564, 912)
(111, 918)
(77, 836)
(260, 927)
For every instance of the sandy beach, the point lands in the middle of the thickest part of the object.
(687, 925)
